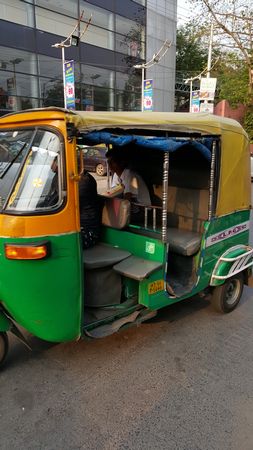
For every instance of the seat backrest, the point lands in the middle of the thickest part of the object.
(187, 208)
(116, 213)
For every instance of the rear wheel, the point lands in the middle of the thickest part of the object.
(4, 346)
(100, 170)
(226, 297)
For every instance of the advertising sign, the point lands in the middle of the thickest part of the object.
(207, 107)
(69, 84)
(195, 102)
(207, 88)
(148, 95)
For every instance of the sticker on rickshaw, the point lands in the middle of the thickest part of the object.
(225, 234)
(155, 286)
(37, 182)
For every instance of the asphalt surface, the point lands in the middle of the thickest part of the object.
(183, 381)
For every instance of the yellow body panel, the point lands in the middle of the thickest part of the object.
(64, 221)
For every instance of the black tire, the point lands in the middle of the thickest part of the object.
(226, 297)
(4, 347)
(100, 170)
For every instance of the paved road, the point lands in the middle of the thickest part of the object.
(183, 381)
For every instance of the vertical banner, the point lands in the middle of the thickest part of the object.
(69, 84)
(147, 95)
(195, 102)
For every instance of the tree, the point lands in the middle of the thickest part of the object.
(191, 60)
(232, 79)
(233, 23)
(191, 55)
(233, 20)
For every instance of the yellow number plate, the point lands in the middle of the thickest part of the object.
(155, 286)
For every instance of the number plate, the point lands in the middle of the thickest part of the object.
(155, 286)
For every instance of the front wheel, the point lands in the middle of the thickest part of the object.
(4, 346)
(226, 297)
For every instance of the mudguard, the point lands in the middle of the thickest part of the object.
(235, 260)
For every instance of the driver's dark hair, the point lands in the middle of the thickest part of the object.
(118, 155)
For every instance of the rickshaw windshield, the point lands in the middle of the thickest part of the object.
(30, 170)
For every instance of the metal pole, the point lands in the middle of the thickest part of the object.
(209, 61)
(165, 196)
(63, 75)
(211, 189)
(142, 88)
(190, 108)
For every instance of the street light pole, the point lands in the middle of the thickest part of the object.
(142, 88)
(71, 40)
(63, 75)
(155, 59)
(210, 48)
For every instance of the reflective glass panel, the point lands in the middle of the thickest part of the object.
(68, 7)
(100, 17)
(17, 12)
(54, 23)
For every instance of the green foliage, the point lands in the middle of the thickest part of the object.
(232, 80)
(191, 56)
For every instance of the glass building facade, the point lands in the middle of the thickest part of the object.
(105, 78)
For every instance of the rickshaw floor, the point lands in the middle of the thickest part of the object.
(181, 274)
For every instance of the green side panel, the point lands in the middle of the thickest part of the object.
(139, 245)
(5, 323)
(45, 296)
(210, 254)
(205, 260)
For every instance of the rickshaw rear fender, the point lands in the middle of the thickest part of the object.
(5, 323)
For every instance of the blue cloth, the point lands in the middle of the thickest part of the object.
(203, 145)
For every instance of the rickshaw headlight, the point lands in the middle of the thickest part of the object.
(32, 251)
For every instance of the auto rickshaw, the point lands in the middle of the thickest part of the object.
(194, 237)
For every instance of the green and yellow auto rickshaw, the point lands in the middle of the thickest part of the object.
(194, 236)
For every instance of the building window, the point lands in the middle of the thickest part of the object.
(54, 23)
(100, 17)
(129, 37)
(99, 37)
(67, 7)
(17, 12)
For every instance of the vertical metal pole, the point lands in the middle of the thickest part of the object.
(213, 161)
(142, 88)
(209, 61)
(190, 109)
(165, 196)
(63, 75)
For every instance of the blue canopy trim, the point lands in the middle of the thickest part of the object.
(102, 137)
(164, 144)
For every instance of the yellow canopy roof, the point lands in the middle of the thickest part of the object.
(184, 122)
(234, 185)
